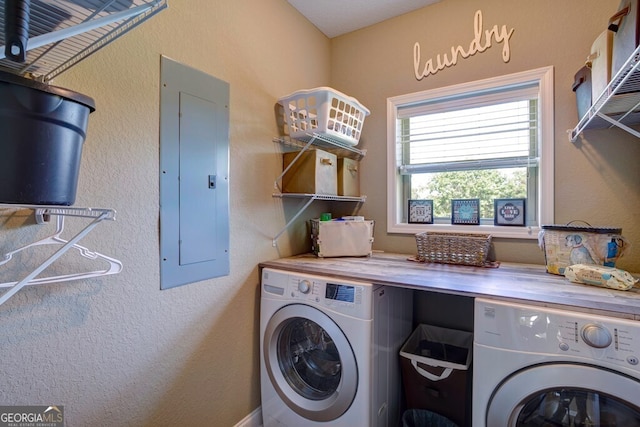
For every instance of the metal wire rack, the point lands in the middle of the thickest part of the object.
(619, 104)
(64, 32)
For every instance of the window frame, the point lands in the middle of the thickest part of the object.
(543, 77)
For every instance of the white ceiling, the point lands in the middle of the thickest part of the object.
(337, 17)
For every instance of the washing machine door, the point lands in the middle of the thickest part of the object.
(310, 362)
(568, 395)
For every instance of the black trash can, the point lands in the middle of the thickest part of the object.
(44, 128)
(424, 418)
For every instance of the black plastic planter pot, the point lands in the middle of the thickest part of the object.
(42, 130)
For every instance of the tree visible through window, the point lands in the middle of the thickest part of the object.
(485, 185)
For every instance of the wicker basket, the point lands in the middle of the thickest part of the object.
(453, 248)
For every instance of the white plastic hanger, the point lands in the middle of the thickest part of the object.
(114, 266)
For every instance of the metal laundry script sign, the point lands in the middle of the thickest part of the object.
(483, 40)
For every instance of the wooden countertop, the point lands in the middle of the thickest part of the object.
(525, 283)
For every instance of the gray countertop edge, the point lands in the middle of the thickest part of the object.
(522, 283)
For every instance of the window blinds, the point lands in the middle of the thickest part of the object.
(470, 132)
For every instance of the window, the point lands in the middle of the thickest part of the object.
(490, 139)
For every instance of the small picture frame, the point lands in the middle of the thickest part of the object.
(465, 211)
(420, 212)
(509, 212)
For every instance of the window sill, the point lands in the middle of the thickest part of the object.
(495, 231)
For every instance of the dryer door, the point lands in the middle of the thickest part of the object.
(310, 362)
(568, 395)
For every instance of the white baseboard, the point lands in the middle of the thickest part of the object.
(254, 419)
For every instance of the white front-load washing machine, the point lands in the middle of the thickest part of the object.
(536, 366)
(329, 350)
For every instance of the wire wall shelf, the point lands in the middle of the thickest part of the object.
(64, 32)
(618, 105)
(339, 148)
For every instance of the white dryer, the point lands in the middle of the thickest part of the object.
(329, 350)
(536, 366)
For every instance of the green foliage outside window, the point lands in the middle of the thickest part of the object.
(485, 185)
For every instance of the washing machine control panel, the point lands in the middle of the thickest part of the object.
(353, 298)
(551, 332)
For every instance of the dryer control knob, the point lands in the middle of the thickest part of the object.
(596, 335)
(304, 286)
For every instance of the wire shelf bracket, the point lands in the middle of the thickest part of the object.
(311, 199)
(303, 145)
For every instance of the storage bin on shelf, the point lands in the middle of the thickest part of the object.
(341, 238)
(324, 111)
(348, 177)
(453, 248)
(582, 88)
(313, 172)
(599, 61)
(566, 245)
(435, 362)
(625, 26)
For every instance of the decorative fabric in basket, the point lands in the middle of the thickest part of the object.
(324, 111)
(453, 248)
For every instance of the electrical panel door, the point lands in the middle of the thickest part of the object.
(194, 175)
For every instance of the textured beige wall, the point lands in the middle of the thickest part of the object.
(117, 351)
(597, 179)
